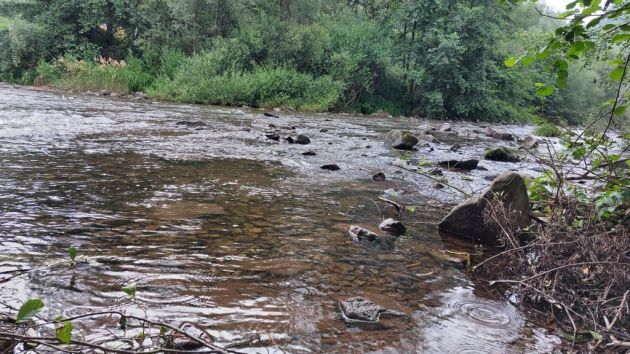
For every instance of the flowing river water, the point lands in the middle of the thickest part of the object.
(237, 234)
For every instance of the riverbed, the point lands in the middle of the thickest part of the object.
(240, 235)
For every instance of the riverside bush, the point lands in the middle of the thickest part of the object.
(263, 86)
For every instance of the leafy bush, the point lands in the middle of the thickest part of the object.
(264, 86)
(78, 75)
(544, 128)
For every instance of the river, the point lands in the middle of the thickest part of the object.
(240, 235)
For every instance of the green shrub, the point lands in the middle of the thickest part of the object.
(78, 75)
(547, 129)
(217, 80)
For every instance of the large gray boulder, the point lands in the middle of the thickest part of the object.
(467, 218)
(401, 140)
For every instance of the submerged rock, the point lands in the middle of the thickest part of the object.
(379, 177)
(401, 140)
(361, 235)
(499, 135)
(392, 226)
(529, 142)
(502, 154)
(303, 139)
(467, 219)
(446, 127)
(309, 153)
(271, 115)
(460, 164)
(273, 136)
(360, 310)
(330, 167)
(191, 124)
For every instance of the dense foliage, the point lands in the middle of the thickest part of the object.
(434, 58)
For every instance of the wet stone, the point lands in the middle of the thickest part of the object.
(303, 140)
(330, 167)
(309, 153)
(273, 136)
(392, 226)
(379, 177)
(271, 115)
(460, 164)
(360, 310)
(191, 124)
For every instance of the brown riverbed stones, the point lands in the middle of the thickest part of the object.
(467, 219)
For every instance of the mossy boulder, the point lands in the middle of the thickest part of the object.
(401, 140)
(502, 154)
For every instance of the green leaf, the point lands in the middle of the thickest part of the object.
(594, 22)
(527, 60)
(163, 330)
(617, 74)
(544, 91)
(73, 254)
(28, 310)
(510, 62)
(130, 289)
(64, 334)
(620, 111)
(566, 14)
(622, 37)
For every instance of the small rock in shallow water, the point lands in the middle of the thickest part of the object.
(529, 142)
(498, 135)
(502, 154)
(445, 127)
(359, 234)
(379, 177)
(104, 93)
(191, 124)
(309, 153)
(271, 115)
(401, 140)
(330, 167)
(273, 136)
(289, 140)
(456, 147)
(393, 227)
(323, 130)
(460, 164)
(435, 172)
(360, 310)
(303, 139)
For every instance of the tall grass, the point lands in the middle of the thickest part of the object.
(69, 74)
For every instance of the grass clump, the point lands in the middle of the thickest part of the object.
(547, 129)
(79, 75)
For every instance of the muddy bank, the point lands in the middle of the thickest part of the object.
(242, 234)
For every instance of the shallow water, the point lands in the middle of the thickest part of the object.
(242, 236)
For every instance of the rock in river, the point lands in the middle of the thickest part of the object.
(498, 135)
(273, 136)
(502, 154)
(271, 115)
(529, 142)
(392, 226)
(467, 219)
(379, 177)
(330, 167)
(361, 235)
(303, 139)
(191, 123)
(401, 140)
(309, 153)
(460, 164)
(360, 310)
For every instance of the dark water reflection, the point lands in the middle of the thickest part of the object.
(225, 229)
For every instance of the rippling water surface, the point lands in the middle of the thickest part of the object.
(240, 235)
